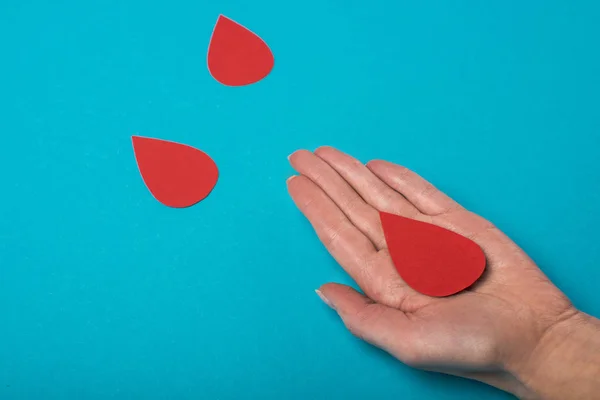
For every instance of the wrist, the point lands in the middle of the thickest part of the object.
(565, 364)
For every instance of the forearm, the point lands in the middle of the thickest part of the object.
(566, 364)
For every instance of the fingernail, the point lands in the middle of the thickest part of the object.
(325, 299)
(290, 178)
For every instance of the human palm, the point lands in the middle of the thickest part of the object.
(484, 333)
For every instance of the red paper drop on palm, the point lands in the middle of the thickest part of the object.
(432, 260)
(237, 56)
(176, 174)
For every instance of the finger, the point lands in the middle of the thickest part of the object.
(348, 245)
(434, 203)
(372, 270)
(417, 190)
(382, 326)
(361, 214)
(369, 186)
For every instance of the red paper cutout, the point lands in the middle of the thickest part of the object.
(176, 174)
(432, 260)
(237, 56)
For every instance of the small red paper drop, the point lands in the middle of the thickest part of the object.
(432, 260)
(176, 174)
(237, 56)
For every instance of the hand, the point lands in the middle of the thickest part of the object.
(497, 331)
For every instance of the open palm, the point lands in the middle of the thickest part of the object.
(482, 333)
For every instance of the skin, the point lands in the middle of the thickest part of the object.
(512, 329)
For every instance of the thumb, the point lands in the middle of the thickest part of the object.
(382, 326)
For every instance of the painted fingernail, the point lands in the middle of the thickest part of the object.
(325, 299)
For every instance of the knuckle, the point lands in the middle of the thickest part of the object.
(353, 203)
(308, 203)
(369, 313)
(428, 190)
(334, 233)
(316, 175)
(403, 173)
(362, 321)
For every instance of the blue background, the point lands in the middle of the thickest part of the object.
(105, 293)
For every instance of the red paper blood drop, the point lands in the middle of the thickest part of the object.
(176, 174)
(432, 260)
(237, 56)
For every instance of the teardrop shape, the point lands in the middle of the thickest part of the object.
(176, 174)
(237, 56)
(432, 260)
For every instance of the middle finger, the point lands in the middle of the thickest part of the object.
(367, 184)
(371, 269)
(361, 214)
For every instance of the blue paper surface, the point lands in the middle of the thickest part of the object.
(105, 293)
